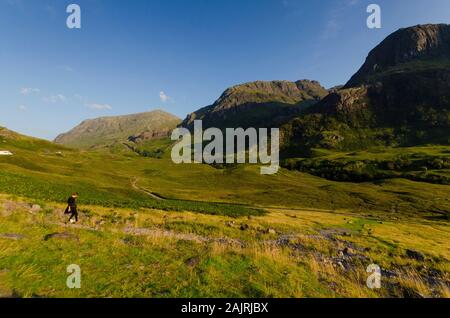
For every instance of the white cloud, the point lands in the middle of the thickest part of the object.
(99, 106)
(22, 108)
(163, 97)
(29, 90)
(58, 98)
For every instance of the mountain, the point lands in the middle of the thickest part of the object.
(258, 104)
(109, 130)
(422, 43)
(399, 97)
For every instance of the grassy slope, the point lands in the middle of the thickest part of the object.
(383, 219)
(104, 178)
(149, 253)
(42, 170)
(104, 131)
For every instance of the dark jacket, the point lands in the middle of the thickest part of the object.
(72, 202)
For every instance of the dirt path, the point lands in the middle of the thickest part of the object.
(135, 186)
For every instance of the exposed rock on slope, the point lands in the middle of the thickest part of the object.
(108, 130)
(258, 104)
(424, 43)
(400, 96)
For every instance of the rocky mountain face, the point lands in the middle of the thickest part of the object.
(425, 43)
(258, 104)
(108, 130)
(400, 96)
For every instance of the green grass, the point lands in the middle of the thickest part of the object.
(172, 261)
(49, 172)
(220, 218)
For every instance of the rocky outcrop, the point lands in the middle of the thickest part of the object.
(424, 43)
(150, 135)
(399, 97)
(258, 104)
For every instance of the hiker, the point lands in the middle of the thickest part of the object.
(72, 208)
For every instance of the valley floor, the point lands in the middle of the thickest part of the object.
(153, 253)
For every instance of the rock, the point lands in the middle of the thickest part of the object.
(61, 236)
(271, 231)
(12, 236)
(8, 293)
(35, 208)
(244, 227)
(418, 42)
(341, 265)
(415, 255)
(388, 273)
(241, 104)
(230, 224)
(348, 251)
(193, 261)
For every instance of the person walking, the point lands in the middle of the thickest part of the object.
(72, 208)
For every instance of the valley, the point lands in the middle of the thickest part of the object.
(364, 181)
(151, 228)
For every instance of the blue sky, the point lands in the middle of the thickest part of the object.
(176, 55)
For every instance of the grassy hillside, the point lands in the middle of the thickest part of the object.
(128, 179)
(46, 171)
(150, 253)
(105, 131)
(214, 232)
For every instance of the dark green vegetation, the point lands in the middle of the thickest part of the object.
(427, 164)
(155, 148)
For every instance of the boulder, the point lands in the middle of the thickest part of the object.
(61, 236)
(418, 256)
(35, 208)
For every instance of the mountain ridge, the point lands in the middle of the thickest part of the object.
(258, 104)
(420, 42)
(110, 129)
(404, 100)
